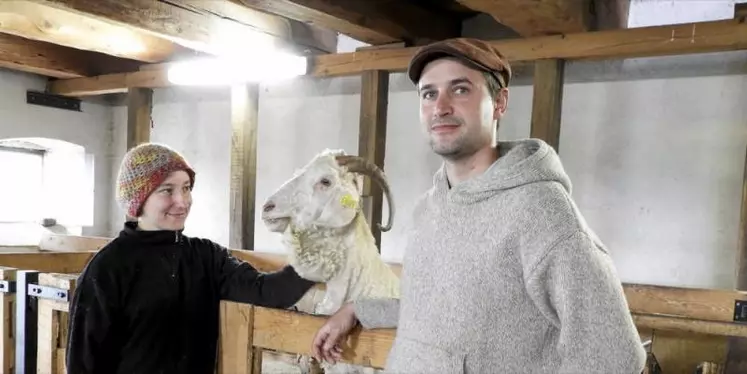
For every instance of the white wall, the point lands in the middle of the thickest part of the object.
(90, 128)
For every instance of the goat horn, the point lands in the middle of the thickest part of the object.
(361, 165)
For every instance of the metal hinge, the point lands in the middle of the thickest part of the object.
(8, 286)
(740, 311)
(47, 292)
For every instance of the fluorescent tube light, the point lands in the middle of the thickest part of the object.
(264, 68)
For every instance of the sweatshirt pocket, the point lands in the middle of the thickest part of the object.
(411, 356)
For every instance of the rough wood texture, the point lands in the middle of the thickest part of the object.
(292, 332)
(244, 122)
(201, 31)
(701, 37)
(34, 20)
(71, 243)
(56, 61)
(372, 141)
(701, 304)
(547, 102)
(236, 339)
(139, 108)
(53, 323)
(373, 22)
(62, 262)
(7, 309)
(539, 17)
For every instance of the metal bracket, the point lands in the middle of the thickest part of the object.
(7, 286)
(47, 292)
(740, 310)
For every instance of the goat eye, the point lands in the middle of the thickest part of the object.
(325, 182)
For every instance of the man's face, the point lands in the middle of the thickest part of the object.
(168, 206)
(456, 109)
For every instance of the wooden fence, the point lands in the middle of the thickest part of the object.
(35, 289)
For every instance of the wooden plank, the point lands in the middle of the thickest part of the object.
(545, 17)
(372, 142)
(236, 339)
(547, 102)
(71, 243)
(56, 61)
(293, 332)
(139, 121)
(54, 262)
(184, 23)
(34, 20)
(365, 20)
(244, 123)
(52, 322)
(681, 39)
(700, 304)
(7, 308)
(669, 323)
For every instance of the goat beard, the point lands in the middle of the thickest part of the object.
(312, 255)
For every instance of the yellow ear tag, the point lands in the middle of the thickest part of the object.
(347, 201)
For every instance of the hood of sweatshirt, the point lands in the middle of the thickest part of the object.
(520, 162)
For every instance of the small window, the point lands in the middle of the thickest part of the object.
(22, 186)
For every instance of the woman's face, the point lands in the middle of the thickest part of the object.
(168, 206)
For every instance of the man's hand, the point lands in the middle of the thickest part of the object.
(325, 346)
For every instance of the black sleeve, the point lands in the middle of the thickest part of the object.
(90, 344)
(239, 281)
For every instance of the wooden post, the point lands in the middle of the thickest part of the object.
(53, 324)
(372, 141)
(547, 103)
(7, 306)
(237, 353)
(736, 357)
(244, 122)
(139, 109)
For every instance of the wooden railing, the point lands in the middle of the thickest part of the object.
(35, 289)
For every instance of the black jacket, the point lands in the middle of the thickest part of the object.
(148, 302)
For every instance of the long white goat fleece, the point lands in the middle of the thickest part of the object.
(345, 259)
(502, 274)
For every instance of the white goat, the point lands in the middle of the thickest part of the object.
(318, 212)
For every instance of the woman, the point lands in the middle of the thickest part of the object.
(148, 302)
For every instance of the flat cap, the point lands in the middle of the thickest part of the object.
(472, 52)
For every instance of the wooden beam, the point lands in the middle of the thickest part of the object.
(610, 14)
(540, 17)
(372, 142)
(52, 324)
(373, 22)
(681, 39)
(37, 21)
(139, 122)
(186, 23)
(244, 122)
(740, 10)
(547, 103)
(56, 61)
(49, 262)
(237, 355)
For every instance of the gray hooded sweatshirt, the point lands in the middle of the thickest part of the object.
(502, 274)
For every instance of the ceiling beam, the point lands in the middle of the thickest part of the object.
(37, 21)
(195, 24)
(538, 17)
(373, 22)
(57, 61)
(680, 39)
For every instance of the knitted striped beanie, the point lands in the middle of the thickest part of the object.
(144, 168)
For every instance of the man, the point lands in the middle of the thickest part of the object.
(501, 272)
(148, 302)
